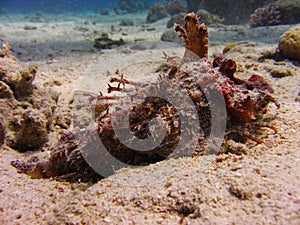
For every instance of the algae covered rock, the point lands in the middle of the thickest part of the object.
(208, 18)
(28, 130)
(289, 43)
(289, 10)
(17, 78)
(176, 19)
(104, 42)
(26, 110)
(5, 91)
(21, 82)
(157, 11)
(126, 22)
(174, 7)
(171, 36)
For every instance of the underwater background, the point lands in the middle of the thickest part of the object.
(254, 13)
(61, 59)
(59, 6)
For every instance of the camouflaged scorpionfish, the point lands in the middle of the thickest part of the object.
(245, 102)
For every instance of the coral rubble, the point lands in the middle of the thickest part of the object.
(244, 100)
(128, 6)
(104, 42)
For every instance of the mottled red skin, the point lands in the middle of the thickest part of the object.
(245, 102)
(248, 109)
(195, 36)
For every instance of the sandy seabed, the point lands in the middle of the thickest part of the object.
(258, 187)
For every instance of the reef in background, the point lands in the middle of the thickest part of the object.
(129, 6)
(275, 13)
(233, 11)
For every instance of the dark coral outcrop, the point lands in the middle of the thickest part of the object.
(233, 11)
(275, 13)
(157, 11)
(129, 6)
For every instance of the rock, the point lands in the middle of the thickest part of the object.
(266, 16)
(63, 117)
(171, 36)
(29, 27)
(176, 19)
(103, 11)
(174, 7)
(126, 22)
(233, 11)
(21, 82)
(157, 11)
(129, 6)
(26, 110)
(208, 18)
(28, 122)
(236, 148)
(2, 130)
(104, 42)
(289, 10)
(13, 75)
(45, 100)
(28, 130)
(193, 5)
(289, 43)
(279, 12)
(5, 91)
(204, 17)
(279, 72)
(37, 18)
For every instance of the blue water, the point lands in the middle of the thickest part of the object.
(57, 6)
